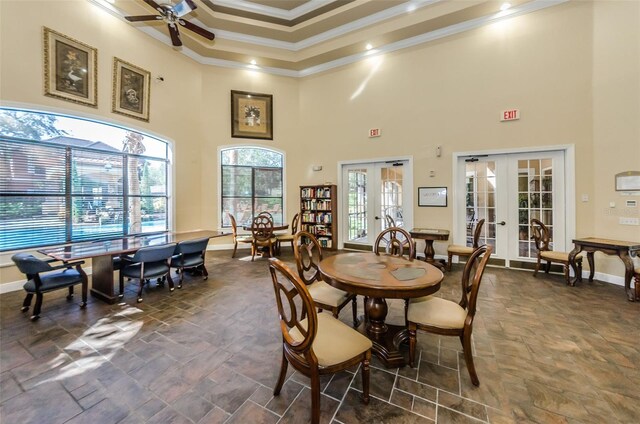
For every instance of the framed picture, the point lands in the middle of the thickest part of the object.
(251, 115)
(432, 196)
(130, 90)
(70, 69)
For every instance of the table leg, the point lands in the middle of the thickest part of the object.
(592, 266)
(386, 338)
(102, 279)
(430, 253)
(628, 273)
(572, 262)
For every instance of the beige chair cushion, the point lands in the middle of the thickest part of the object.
(555, 256)
(324, 293)
(284, 237)
(272, 240)
(462, 250)
(335, 341)
(437, 312)
(244, 239)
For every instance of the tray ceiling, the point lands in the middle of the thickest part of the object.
(303, 37)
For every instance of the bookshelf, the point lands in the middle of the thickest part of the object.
(318, 213)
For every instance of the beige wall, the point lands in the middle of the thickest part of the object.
(572, 70)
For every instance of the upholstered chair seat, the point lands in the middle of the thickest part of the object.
(437, 312)
(335, 341)
(460, 250)
(322, 292)
(57, 281)
(151, 270)
(465, 251)
(554, 255)
(541, 235)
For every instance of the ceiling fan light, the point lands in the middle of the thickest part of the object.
(253, 62)
(505, 6)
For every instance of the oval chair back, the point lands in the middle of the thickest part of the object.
(308, 254)
(393, 241)
(476, 233)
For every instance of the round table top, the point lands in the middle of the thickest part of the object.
(276, 227)
(371, 275)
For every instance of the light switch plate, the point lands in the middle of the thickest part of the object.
(629, 221)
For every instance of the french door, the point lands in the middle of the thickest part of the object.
(507, 191)
(371, 192)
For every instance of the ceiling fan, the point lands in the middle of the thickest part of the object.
(172, 15)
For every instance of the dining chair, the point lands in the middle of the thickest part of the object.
(636, 282)
(390, 221)
(189, 254)
(236, 238)
(393, 241)
(542, 237)
(147, 263)
(41, 280)
(465, 251)
(262, 231)
(315, 344)
(440, 316)
(288, 237)
(308, 254)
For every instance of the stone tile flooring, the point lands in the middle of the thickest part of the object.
(210, 353)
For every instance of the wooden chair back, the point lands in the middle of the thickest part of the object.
(393, 241)
(262, 228)
(294, 223)
(471, 285)
(234, 225)
(390, 221)
(308, 254)
(476, 233)
(294, 306)
(541, 235)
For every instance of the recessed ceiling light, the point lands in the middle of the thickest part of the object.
(411, 8)
(253, 62)
(369, 46)
(505, 6)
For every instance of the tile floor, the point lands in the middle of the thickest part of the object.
(210, 353)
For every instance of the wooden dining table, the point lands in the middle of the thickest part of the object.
(380, 277)
(102, 253)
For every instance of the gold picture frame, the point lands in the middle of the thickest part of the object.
(70, 69)
(251, 115)
(131, 86)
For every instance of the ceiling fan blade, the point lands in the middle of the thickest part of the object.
(175, 35)
(153, 4)
(198, 30)
(143, 18)
(184, 7)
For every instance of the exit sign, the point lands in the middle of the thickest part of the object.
(510, 115)
(374, 132)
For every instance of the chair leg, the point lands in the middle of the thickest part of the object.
(29, 296)
(140, 290)
(535, 271)
(315, 397)
(449, 259)
(170, 280)
(354, 310)
(566, 273)
(70, 295)
(465, 338)
(547, 267)
(235, 247)
(283, 374)
(365, 377)
(253, 252)
(204, 272)
(181, 277)
(37, 307)
(412, 344)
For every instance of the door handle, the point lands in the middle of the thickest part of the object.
(377, 217)
(502, 223)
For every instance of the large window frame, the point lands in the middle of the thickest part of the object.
(253, 201)
(83, 209)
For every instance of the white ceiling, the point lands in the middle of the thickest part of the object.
(303, 37)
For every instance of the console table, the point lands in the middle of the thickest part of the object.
(623, 249)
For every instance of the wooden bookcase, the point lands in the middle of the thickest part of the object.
(319, 213)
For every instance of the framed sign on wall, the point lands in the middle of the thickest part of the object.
(432, 196)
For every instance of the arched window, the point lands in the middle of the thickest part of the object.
(65, 179)
(251, 183)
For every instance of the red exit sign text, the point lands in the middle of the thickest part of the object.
(510, 115)
(374, 132)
